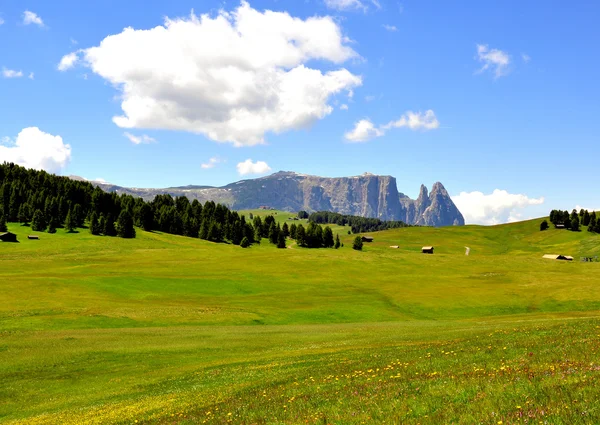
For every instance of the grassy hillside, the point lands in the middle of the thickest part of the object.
(168, 329)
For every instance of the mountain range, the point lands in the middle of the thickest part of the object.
(367, 195)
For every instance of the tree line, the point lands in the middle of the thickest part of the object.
(357, 224)
(573, 220)
(47, 202)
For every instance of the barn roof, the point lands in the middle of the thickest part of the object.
(427, 247)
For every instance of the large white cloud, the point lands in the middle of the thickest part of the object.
(249, 167)
(495, 208)
(232, 77)
(35, 149)
(364, 130)
(494, 60)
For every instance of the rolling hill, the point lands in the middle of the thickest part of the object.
(168, 329)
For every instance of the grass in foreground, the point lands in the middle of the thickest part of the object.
(164, 329)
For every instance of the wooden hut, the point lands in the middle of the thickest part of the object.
(8, 237)
(367, 238)
(558, 257)
(34, 237)
(427, 250)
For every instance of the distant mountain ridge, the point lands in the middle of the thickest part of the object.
(367, 195)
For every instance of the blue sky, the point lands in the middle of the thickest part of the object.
(333, 88)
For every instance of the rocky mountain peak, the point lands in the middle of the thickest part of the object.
(367, 195)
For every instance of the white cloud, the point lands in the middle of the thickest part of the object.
(31, 76)
(391, 28)
(346, 5)
(138, 140)
(344, 107)
(493, 60)
(416, 121)
(249, 167)
(211, 163)
(99, 180)
(233, 77)
(364, 130)
(369, 98)
(68, 61)
(32, 18)
(495, 208)
(10, 73)
(526, 58)
(1, 21)
(35, 149)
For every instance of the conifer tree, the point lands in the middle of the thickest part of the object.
(70, 222)
(109, 226)
(203, 234)
(273, 233)
(280, 240)
(124, 226)
(38, 223)
(285, 229)
(245, 243)
(52, 225)
(101, 223)
(592, 223)
(300, 235)
(337, 241)
(293, 229)
(328, 237)
(543, 225)
(358, 243)
(575, 224)
(94, 227)
(257, 233)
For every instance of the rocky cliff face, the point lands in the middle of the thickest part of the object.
(367, 195)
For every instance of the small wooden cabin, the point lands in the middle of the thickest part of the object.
(34, 237)
(427, 250)
(558, 257)
(367, 238)
(8, 237)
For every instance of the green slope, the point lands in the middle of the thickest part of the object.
(114, 329)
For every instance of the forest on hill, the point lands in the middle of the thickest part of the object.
(46, 202)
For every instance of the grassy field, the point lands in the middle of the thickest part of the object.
(165, 329)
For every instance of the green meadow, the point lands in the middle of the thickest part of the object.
(164, 329)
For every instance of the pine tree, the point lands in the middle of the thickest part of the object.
(328, 237)
(300, 235)
(285, 229)
(337, 241)
(575, 224)
(94, 227)
(543, 225)
(245, 243)
(281, 240)
(293, 229)
(52, 225)
(38, 223)
(70, 222)
(203, 234)
(592, 223)
(124, 226)
(109, 226)
(357, 244)
(101, 223)
(273, 233)
(3, 227)
(586, 218)
(146, 217)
